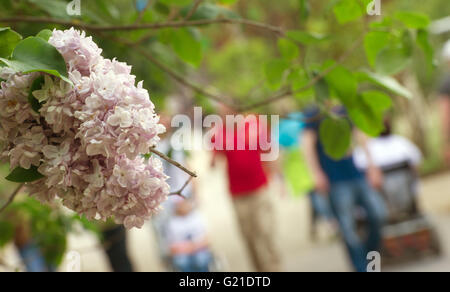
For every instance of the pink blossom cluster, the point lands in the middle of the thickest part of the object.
(87, 139)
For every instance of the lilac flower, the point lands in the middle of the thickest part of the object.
(87, 140)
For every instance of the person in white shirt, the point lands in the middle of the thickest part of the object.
(399, 159)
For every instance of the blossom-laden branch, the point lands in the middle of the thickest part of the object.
(11, 197)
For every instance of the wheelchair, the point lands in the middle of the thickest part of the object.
(408, 234)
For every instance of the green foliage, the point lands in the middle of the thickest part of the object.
(34, 54)
(374, 42)
(289, 51)
(185, 44)
(8, 40)
(385, 82)
(275, 72)
(322, 90)
(55, 8)
(392, 60)
(305, 38)
(348, 10)
(414, 20)
(423, 42)
(368, 111)
(6, 232)
(335, 135)
(22, 175)
(45, 34)
(344, 84)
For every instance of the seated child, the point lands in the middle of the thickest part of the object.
(187, 238)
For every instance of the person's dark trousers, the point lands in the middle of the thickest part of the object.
(116, 249)
(344, 197)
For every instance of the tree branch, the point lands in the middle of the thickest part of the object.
(173, 162)
(143, 26)
(193, 9)
(11, 198)
(180, 191)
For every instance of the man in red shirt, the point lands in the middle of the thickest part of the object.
(248, 183)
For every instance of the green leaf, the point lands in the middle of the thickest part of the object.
(335, 135)
(305, 38)
(342, 81)
(347, 11)
(161, 8)
(227, 2)
(385, 82)
(6, 233)
(186, 45)
(368, 112)
(305, 9)
(378, 101)
(374, 42)
(321, 89)
(36, 85)
(34, 54)
(299, 79)
(288, 49)
(413, 20)
(8, 40)
(424, 43)
(56, 8)
(45, 34)
(392, 60)
(22, 175)
(407, 43)
(275, 71)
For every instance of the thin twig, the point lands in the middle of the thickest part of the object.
(173, 162)
(11, 197)
(193, 9)
(180, 191)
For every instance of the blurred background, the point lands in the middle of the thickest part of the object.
(233, 60)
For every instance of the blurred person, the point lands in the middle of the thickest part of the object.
(114, 241)
(444, 103)
(298, 177)
(187, 238)
(402, 154)
(400, 150)
(248, 184)
(347, 189)
(30, 253)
